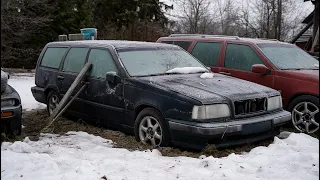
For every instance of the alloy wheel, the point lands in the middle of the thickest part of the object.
(53, 103)
(305, 117)
(150, 131)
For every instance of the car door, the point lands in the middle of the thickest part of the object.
(208, 53)
(106, 99)
(72, 65)
(238, 60)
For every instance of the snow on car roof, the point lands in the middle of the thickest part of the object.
(116, 43)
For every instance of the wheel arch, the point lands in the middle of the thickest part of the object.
(298, 95)
(143, 106)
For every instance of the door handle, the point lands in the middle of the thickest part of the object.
(225, 73)
(60, 77)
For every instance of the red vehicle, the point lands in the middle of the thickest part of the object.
(278, 65)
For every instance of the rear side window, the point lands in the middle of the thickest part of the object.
(241, 57)
(53, 56)
(183, 44)
(75, 60)
(207, 52)
(102, 63)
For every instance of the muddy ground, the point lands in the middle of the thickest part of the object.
(35, 121)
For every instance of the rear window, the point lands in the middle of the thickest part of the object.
(75, 59)
(53, 56)
(183, 44)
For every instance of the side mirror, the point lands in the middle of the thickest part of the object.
(113, 78)
(260, 69)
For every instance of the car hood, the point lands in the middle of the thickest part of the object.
(218, 89)
(304, 75)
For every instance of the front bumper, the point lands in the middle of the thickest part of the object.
(197, 135)
(11, 125)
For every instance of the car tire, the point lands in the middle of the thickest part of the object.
(149, 133)
(17, 132)
(53, 100)
(305, 113)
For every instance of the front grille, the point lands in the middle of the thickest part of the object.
(249, 106)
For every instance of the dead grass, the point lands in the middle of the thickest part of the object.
(34, 121)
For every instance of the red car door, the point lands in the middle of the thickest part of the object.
(237, 60)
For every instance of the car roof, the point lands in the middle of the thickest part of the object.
(200, 37)
(118, 44)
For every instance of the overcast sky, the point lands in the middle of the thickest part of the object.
(307, 6)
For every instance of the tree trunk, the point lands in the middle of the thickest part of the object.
(279, 19)
(315, 19)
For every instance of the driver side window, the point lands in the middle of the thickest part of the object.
(241, 57)
(102, 62)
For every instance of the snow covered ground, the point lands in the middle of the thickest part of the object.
(22, 84)
(82, 156)
(78, 155)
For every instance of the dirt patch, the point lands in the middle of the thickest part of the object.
(35, 120)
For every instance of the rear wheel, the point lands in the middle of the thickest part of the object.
(305, 113)
(53, 100)
(151, 129)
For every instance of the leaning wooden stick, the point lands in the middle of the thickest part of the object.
(62, 105)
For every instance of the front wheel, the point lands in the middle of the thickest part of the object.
(305, 113)
(151, 129)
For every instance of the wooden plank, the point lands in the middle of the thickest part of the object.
(301, 32)
(315, 41)
(73, 86)
(67, 105)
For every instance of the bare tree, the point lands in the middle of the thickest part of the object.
(228, 17)
(195, 17)
(276, 19)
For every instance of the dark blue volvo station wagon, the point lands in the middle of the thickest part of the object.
(159, 92)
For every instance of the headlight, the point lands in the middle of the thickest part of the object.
(7, 102)
(274, 103)
(210, 111)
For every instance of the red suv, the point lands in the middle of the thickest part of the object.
(281, 66)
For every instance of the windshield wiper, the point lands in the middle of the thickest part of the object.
(160, 74)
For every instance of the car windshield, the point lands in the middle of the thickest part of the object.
(288, 57)
(152, 61)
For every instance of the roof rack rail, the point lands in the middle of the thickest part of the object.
(203, 35)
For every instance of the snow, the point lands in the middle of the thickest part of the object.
(23, 84)
(187, 70)
(207, 76)
(78, 155)
(316, 65)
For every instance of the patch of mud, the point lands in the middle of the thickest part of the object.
(35, 120)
